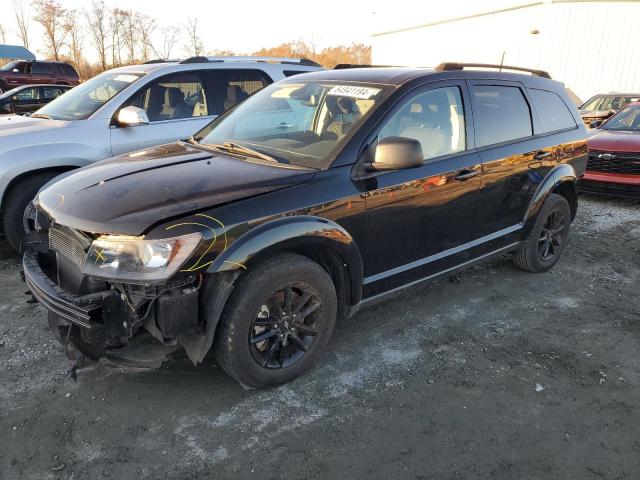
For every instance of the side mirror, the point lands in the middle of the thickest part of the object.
(395, 153)
(15, 70)
(15, 98)
(595, 124)
(131, 116)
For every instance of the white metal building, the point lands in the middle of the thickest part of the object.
(592, 46)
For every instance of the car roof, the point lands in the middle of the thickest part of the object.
(173, 65)
(397, 76)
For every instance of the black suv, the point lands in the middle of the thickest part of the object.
(315, 196)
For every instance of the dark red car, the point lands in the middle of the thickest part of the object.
(37, 72)
(614, 155)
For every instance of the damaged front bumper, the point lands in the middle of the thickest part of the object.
(105, 323)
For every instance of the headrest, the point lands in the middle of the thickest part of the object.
(235, 93)
(340, 105)
(173, 96)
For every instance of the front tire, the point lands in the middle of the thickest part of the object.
(16, 202)
(548, 237)
(278, 321)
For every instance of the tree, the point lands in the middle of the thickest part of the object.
(170, 36)
(97, 21)
(117, 26)
(130, 34)
(56, 23)
(195, 46)
(21, 10)
(146, 27)
(76, 39)
(3, 35)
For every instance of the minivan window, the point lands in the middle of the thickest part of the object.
(84, 100)
(435, 118)
(42, 68)
(553, 112)
(501, 114)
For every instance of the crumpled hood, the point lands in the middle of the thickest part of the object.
(614, 141)
(129, 194)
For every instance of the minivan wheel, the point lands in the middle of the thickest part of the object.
(548, 237)
(16, 202)
(278, 321)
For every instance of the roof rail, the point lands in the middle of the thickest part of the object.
(159, 60)
(344, 66)
(242, 58)
(450, 66)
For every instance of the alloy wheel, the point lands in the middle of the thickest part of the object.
(551, 235)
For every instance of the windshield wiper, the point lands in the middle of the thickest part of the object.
(41, 115)
(242, 150)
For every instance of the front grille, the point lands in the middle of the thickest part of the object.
(69, 244)
(614, 162)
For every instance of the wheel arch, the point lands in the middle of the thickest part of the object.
(319, 239)
(562, 180)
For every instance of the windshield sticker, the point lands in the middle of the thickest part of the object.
(362, 93)
(126, 78)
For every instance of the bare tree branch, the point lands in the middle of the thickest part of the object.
(97, 21)
(170, 36)
(146, 27)
(55, 22)
(21, 10)
(195, 46)
(3, 35)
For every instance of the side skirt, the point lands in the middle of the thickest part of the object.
(449, 271)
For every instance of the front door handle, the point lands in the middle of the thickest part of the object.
(541, 155)
(466, 175)
(284, 126)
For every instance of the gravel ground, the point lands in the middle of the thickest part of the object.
(494, 374)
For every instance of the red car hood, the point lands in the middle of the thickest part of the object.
(614, 141)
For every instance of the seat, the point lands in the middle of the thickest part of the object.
(155, 103)
(235, 94)
(343, 111)
(174, 105)
(200, 108)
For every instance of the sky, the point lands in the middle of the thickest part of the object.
(249, 25)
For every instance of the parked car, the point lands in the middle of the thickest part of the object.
(601, 107)
(37, 72)
(119, 111)
(30, 98)
(614, 156)
(315, 196)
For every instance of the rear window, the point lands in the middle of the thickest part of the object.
(42, 68)
(553, 112)
(501, 114)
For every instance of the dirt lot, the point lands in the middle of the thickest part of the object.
(497, 374)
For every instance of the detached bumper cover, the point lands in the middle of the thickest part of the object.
(86, 311)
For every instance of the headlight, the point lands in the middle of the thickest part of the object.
(135, 260)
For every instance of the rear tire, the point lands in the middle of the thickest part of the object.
(548, 237)
(277, 322)
(15, 203)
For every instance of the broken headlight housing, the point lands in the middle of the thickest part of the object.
(136, 260)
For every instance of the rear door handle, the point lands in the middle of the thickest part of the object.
(466, 175)
(541, 155)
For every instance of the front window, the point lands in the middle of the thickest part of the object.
(22, 67)
(84, 100)
(627, 119)
(302, 123)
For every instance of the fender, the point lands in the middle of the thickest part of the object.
(559, 175)
(290, 231)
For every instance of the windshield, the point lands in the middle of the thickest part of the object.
(627, 119)
(302, 123)
(601, 104)
(10, 66)
(84, 100)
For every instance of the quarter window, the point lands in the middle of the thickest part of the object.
(501, 114)
(553, 112)
(434, 118)
(173, 97)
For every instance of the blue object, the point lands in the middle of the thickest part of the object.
(15, 52)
